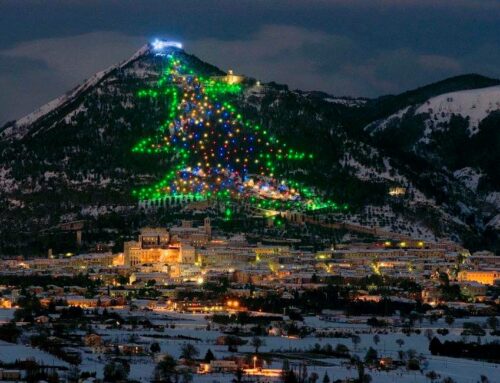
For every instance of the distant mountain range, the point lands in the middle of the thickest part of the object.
(439, 144)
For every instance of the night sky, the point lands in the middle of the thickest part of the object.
(344, 47)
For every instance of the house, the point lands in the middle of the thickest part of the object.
(218, 366)
(10, 374)
(92, 340)
(5, 303)
(131, 349)
(385, 362)
(42, 319)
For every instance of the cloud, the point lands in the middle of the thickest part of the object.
(437, 62)
(461, 4)
(316, 60)
(77, 57)
(36, 71)
(26, 84)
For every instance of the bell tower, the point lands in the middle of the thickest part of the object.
(208, 227)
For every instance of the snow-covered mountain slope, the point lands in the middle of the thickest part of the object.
(347, 101)
(21, 127)
(72, 158)
(457, 131)
(474, 105)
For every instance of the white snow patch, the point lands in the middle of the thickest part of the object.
(494, 199)
(469, 177)
(494, 222)
(380, 125)
(7, 183)
(475, 104)
(346, 101)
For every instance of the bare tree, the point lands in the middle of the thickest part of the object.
(257, 343)
(356, 340)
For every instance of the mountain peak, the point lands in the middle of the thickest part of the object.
(19, 128)
(70, 159)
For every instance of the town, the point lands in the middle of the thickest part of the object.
(193, 302)
(243, 191)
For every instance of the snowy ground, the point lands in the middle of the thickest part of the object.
(6, 315)
(195, 326)
(9, 353)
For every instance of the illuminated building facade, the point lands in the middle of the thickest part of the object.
(485, 277)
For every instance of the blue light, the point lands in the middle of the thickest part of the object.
(159, 45)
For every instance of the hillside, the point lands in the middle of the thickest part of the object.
(72, 158)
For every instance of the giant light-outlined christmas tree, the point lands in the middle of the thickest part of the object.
(215, 152)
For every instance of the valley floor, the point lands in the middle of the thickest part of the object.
(276, 348)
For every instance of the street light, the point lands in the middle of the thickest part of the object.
(254, 362)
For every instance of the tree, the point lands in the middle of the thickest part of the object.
(435, 346)
(257, 343)
(290, 377)
(189, 352)
(449, 320)
(122, 280)
(73, 374)
(493, 322)
(371, 355)
(326, 378)
(238, 375)
(116, 371)
(362, 377)
(165, 371)
(400, 342)
(342, 349)
(53, 377)
(356, 340)
(412, 353)
(155, 347)
(433, 318)
(313, 377)
(285, 367)
(432, 376)
(401, 355)
(429, 334)
(376, 339)
(9, 332)
(444, 278)
(33, 372)
(209, 356)
(302, 373)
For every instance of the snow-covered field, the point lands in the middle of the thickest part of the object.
(178, 326)
(195, 326)
(9, 353)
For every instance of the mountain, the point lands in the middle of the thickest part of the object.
(71, 159)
